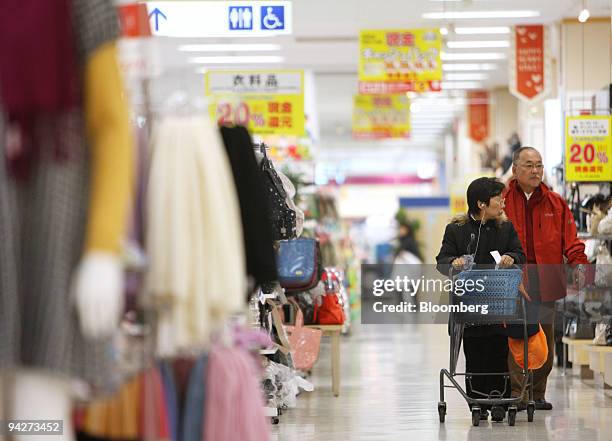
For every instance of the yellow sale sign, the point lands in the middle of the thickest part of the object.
(399, 61)
(588, 148)
(266, 102)
(381, 116)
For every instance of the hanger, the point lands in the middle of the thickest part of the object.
(182, 104)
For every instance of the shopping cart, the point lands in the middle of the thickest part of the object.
(505, 305)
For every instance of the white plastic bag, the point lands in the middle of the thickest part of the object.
(600, 334)
(603, 269)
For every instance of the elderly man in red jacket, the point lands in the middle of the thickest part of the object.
(547, 231)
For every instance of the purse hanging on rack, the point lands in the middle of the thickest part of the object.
(297, 264)
(283, 218)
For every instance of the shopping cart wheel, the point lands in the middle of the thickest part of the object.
(442, 411)
(275, 420)
(475, 416)
(530, 411)
(512, 415)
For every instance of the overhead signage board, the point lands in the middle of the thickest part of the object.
(220, 19)
(381, 116)
(266, 102)
(588, 148)
(400, 61)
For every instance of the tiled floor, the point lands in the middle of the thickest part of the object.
(390, 392)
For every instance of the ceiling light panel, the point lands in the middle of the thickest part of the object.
(453, 67)
(469, 76)
(246, 59)
(482, 30)
(458, 15)
(451, 56)
(477, 44)
(263, 47)
(460, 85)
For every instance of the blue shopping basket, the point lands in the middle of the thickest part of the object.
(496, 288)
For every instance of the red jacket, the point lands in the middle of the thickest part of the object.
(554, 237)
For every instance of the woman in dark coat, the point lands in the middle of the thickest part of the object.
(483, 229)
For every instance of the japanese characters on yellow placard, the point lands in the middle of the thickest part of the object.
(399, 61)
(588, 148)
(381, 116)
(266, 102)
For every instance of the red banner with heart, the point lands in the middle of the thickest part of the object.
(530, 62)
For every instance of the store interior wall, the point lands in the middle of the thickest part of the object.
(586, 64)
(503, 117)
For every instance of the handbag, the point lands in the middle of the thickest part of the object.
(330, 311)
(282, 217)
(537, 350)
(603, 268)
(305, 342)
(297, 264)
(579, 329)
(601, 330)
(307, 305)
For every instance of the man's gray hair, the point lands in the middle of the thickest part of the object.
(517, 153)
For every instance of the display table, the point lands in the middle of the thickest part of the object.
(333, 331)
(578, 354)
(601, 362)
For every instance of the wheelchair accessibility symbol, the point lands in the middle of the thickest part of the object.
(272, 17)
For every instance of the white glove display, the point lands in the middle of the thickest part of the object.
(98, 287)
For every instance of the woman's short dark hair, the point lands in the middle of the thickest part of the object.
(482, 189)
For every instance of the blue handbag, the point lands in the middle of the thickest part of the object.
(297, 264)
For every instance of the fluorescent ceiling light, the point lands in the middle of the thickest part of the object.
(470, 76)
(468, 66)
(450, 56)
(483, 30)
(476, 44)
(261, 47)
(252, 59)
(456, 15)
(460, 85)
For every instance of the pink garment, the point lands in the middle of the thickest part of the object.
(250, 339)
(234, 400)
(154, 423)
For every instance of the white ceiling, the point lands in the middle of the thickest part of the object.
(325, 41)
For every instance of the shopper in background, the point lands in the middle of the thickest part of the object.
(547, 232)
(408, 248)
(482, 230)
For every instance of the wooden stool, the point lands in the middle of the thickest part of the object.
(333, 331)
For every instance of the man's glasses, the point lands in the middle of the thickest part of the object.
(531, 166)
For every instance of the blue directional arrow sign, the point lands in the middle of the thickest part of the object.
(157, 13)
